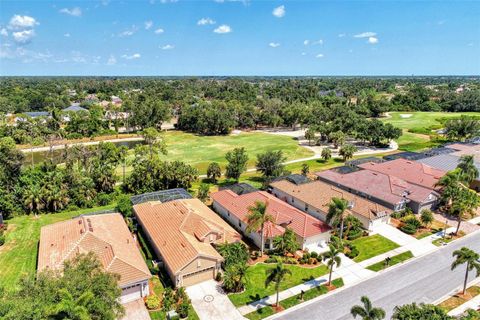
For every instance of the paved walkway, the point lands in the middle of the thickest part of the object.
(136, 310)
(211, 303)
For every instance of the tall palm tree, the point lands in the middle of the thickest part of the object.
(467, 168)
(277, 275)
(471, 258)
(336, 212)
(464, 205)
(32, 199)
(332, 257)
(367, 312)
(71, 308)
(256, 220)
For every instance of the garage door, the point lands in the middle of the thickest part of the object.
(197, 277)
(131, 293)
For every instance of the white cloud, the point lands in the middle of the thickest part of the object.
(131, 57)
(372, 40)
(159, 30)
(4, 32)
(24, 36)
(306, 42)
(304, 53)
(167, 47)
(129, 32)
(279, 12)
(274, 44)
(365, 34)
(205, 21)
(168, 1)
(148, 24)
(76, 11)
(20, 22)
(318, 42)
(320, 55)
(341, 35)
(223, 29)
(67, 35)
(111, 60)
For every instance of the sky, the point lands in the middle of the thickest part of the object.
(239, 37)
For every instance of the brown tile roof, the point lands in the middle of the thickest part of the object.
(411, 171)
(319, 195)
(106, 235)
(177, 229)
(382, 186)
(301, 223)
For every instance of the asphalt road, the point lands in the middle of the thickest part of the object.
(425, 279)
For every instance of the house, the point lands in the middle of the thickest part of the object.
(107, 236)
(23, 117)
(314, 198)
(182, 233)
(413, 172)
(389, 191)
(74, 108)
(310, 231)
(116, 100)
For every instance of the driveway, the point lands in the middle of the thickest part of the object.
(211, 303)
(136, 310)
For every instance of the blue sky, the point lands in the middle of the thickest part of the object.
(215, 37)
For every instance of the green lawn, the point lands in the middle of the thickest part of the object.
(395, 260)
(255, 281)
(18, 257)
(372, 246)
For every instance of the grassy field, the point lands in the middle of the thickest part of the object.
(395, 260)
(18, 257)
(372, 246)
(418, 128)
(255, 281)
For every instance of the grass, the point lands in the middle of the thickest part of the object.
(255, 282)
(18, 257)
(293, 301)
(394, 260)
(372, 246)
(457, 300)
(433, 228)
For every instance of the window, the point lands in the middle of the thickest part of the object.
(306, 207)
(239, 223)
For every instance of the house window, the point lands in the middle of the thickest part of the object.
(228, 213)
(306, 207)
(240, 223)
(293, 200)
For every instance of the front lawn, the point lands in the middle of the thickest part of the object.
(255, 282)
(372, 246)
(18, 256)
(394, 260)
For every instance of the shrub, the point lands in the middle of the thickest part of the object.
(272, 259)
(409, 229)
(352, 252)
(2, 239)
(182, 309)
(355, 234)
(152, 302)
(314, 255)
(124, 205)
(103, 199)
(218, 277)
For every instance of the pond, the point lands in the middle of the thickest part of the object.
(57, 154)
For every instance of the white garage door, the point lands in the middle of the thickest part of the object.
(131, 293)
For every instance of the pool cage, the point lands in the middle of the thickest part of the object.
(161, 196)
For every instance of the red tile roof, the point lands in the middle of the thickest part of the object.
(408, 170)
(382, 186)
(284, 214)
(106, 235)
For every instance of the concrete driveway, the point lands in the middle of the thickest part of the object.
(211, 303)
(136, 310)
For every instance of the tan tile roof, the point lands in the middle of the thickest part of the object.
(178, 227)
(301, 223)
(106, 235)
(319, 194)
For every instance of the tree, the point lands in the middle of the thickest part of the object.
(337, 138)
(305, 169)
(270, 163)
(347, 151)
(470, 314)
(124, 205)
(69, 308)
(426, 216)
(326, 153)
(233, 253)
(277, 275)
(467, 169)
(336, 213)
(310, 135)
(332, 257)
(420, 312)
(234, 277)
(462, 128)
(237, 163)
(256, 220)
(287, 242)
(367, 311)
(154, 141)
(471, 258)
(214, 172)
(203, 191)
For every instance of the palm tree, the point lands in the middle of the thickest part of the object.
(256, 220)
(332, 257)
(467, 168)
(74, 309)
(276, 275)
(336, 212)
(234, 277)
(367, 312)
(471, 258)
(32, 199)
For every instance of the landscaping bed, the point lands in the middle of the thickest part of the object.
(449, 238)
(255, 282)
(393, 261)
(372, 246)
(293, 301)
(459, 299)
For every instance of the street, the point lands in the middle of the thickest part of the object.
(425, 279)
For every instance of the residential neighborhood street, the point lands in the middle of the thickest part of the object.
(425, 279)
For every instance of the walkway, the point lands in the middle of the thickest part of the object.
(211, 303)
(135, 310)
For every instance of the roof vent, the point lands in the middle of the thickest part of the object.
(351, 204)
